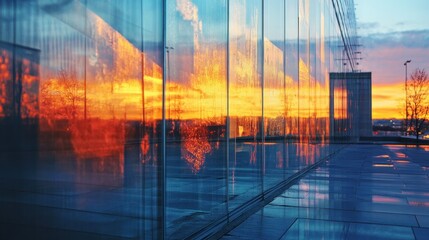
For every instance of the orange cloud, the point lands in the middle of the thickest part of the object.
(385, 59)
(388, 100)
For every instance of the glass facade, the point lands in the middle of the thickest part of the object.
(162, 119)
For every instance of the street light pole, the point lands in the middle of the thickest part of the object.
(406, 96)
(168, 78)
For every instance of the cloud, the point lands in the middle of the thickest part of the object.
(385, 96)
(189, 12)
(410, 39)
(369, 25)
(384, 54)
(387, 100)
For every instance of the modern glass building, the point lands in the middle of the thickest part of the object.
(355, 91)
(151, 119)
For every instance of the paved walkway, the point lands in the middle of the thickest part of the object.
(364, 192)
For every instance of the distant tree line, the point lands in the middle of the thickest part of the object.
(385, 128)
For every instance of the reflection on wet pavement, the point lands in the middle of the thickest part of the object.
(364, 192)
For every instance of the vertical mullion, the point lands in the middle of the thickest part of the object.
(86, 38)
(142, 131)
(162, 172)
(263, 100)
(228, 127)
(15, 114)
(298, 77)
(285, 102)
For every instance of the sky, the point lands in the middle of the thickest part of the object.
(392, 32)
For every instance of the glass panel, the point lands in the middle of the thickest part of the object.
(305, 150)
(245, 103)
(324, 75)
(292, 87)
(274, 92)
(316, 81)
(150, 132)
(196, 108)
(82, 151)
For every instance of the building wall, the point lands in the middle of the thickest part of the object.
(167, 115)
(353, 90)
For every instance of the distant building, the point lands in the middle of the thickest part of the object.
(19, 96)
(350, 104)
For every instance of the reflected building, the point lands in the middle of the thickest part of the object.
(164, 119)
(19, 96)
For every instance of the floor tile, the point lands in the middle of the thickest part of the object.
(375, 231)
(262, 227)
(423, 221)
(421, 233)
(364, 192)
(316, 229)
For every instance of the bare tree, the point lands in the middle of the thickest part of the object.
(62, 97)
(418, 102)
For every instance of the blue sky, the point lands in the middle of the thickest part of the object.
(384, 16)
(391, 32)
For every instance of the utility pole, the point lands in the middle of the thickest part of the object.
(168, 78)
(406, 96)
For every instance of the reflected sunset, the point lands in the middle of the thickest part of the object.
(122, 84)
(160, 119)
